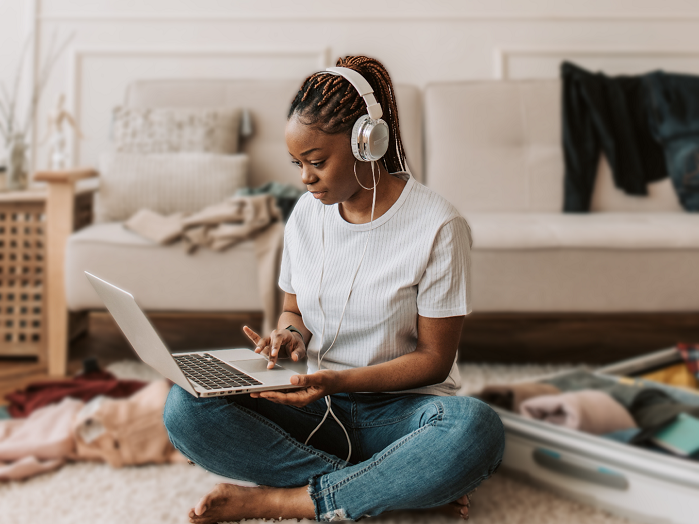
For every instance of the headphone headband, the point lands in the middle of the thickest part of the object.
(362, 87)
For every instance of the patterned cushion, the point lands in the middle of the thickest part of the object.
(169, 130)
(165, 183)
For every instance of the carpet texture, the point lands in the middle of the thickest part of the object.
(97, 494)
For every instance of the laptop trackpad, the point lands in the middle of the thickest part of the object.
(252, 366)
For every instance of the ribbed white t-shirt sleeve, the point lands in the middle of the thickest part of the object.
(285, 270)
(444, 289)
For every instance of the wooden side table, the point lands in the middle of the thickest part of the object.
(34, 227)
(22, 273)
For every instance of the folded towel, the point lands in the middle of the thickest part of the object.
(587, 410)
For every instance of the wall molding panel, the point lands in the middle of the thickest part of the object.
(120, 17)
(117, 41)
(167, 62)
(503, 56)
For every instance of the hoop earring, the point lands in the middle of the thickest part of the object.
(372, 169)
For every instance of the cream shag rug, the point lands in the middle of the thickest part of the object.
(83, 493)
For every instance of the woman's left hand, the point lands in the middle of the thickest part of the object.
(315, 387)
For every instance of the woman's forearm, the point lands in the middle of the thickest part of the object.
(410, 371)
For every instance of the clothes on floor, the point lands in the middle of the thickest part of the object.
(220, 227)
(590, 411)
(610, 115)
(286, 195)
(83, 387)
(675, 375)
(41, 442)
(674, 122)
(511, 396)
(690, 355)
(120, 432)
(125, 432)
(408, 450)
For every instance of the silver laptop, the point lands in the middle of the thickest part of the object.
(201, 373)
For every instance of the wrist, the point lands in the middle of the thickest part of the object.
(295, 332)
(336, 381)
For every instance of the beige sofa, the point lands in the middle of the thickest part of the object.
(494, 149)
(491, 148)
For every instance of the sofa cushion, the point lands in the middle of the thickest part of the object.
(497, 146)
(615, 231)
(583, 280)
(165, 183)
(162, 278)
(175, 130)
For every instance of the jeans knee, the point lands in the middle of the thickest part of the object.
(479, 424)
(177, 412)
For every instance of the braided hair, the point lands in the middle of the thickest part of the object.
(332, 104)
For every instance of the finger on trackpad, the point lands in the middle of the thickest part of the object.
(251, 366)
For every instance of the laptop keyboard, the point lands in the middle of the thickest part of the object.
(211, 373)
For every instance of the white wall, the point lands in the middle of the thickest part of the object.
(16, 22)
(420, 42)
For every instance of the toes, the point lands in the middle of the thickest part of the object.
(205, 502)
(463, 501)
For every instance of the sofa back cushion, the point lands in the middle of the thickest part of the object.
(268, 102)
(165, 182)
(496, 146)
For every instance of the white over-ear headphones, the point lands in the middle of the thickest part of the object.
(370, 134)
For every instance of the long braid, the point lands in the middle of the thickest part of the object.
(331, 103)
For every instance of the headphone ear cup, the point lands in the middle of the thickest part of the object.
(369, 139)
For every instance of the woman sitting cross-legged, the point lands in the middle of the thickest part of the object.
(376, 275)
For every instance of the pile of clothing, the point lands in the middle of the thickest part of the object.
(646, 125)
(93, 416)
(256, 214)
(635, 411)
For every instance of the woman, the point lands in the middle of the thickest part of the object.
(375, 271)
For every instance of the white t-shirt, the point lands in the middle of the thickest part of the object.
(417, 262)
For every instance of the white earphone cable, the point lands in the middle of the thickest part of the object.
(322, 354)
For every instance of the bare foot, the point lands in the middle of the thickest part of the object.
(229, 502)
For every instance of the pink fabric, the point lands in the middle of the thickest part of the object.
(41, 442)
(129, 432)
(588, 410)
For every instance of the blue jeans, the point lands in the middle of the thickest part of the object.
(408, 451)
(674, 122)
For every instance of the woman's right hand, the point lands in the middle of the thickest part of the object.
(281, 343)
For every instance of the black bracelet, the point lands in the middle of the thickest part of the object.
(292, 328)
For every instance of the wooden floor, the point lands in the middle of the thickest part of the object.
(501, 338)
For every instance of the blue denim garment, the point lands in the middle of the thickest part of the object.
(674, 122)
(408, 451)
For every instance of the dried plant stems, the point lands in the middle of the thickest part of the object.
(9, 121)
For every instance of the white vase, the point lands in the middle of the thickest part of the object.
(16, 174)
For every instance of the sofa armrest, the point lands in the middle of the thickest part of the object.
(67, 209)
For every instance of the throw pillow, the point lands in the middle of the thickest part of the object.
(165, 183)
(171, 130)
